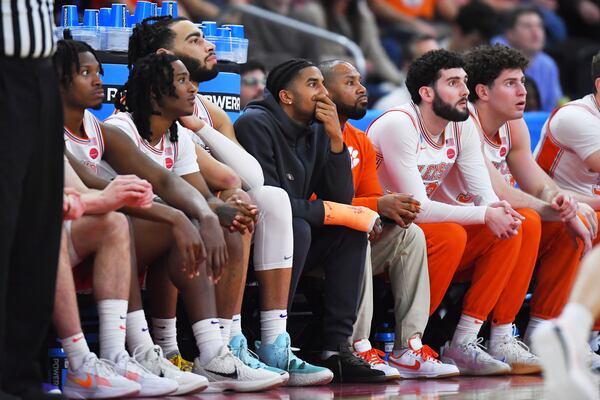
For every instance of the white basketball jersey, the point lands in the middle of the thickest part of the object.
(569, 136)
(90, 149)
(434, 161)
(201, 111)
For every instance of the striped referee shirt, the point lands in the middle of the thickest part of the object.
(26, 28)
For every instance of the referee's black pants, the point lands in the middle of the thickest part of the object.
(31, 183)
(341, 253)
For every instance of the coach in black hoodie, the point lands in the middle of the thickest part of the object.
(304, 156)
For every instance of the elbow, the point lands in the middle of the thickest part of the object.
(231, 181)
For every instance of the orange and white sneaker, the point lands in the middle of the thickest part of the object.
(97, 379)
(362, 348)
(420, 361)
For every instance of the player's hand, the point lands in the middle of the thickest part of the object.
(591, 219)
(375, 233)
(214, 242)
(73, 207)
(565, 205)
(577, 229)
(502, 220)
(189, 244)
(246, 217)
(192, 122)
(127, 190)
(326, 112)
(401, 208)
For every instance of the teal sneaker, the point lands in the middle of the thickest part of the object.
(279, 355)
(239, 347)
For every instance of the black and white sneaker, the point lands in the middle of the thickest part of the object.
(349, 368)
(227, 372)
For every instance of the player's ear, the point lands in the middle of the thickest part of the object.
(427, 94)
(482, 91)
(286, 97)
(164, 51)
(597, 85)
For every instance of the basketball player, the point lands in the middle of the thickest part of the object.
(418, 144)
(400, 251)
(273, 239)
(189, 255)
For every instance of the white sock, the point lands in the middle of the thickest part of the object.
(164, 331)
(272, 324)
(138, 335)
(112, 315)
(534, 322)
(413, 343)
(578, 319)
(466, 330)
(76, 348)
(208, 339)
(236, 326)
(499, 333)
(225, 328)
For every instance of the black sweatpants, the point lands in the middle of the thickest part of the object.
(341, 253)
(31, 184)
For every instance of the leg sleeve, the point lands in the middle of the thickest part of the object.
(364, 317)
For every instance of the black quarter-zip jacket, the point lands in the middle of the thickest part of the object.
(296, 158)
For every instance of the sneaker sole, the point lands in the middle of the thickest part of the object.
(562, 379)
(423, 375)
(322, 380)
(110, 393)
(191, 388)
(468, 372)
(242, 387)
(524, 369)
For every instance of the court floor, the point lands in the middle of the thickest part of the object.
(464, 388)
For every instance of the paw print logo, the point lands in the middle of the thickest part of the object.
(353, 156)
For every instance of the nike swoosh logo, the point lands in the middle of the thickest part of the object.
(282, 315)
(77, 339)
(121, 327)
(413, 367)
(478, 322)
(84, 383)
(232, 375)
(122, 317)
(287, 258)
(214, 322)
(144, 329)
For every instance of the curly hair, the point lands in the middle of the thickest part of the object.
(150, 79)
(149, 36)
(485, 63)
(595, 69)
(66, 58)
(425, 70)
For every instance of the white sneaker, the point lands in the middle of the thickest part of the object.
(154, 361)
(516, 354)
(566, 375)
(151, 384)
(97, 379)
(362, 348)
(471, 359)
(420, 361)
(227, 372)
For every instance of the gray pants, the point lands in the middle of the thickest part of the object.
(403, 253)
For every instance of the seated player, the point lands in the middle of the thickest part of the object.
(401, 251)
(303, 158)
(496, 86)
(273, 239)
(418, 145)
(184, 243)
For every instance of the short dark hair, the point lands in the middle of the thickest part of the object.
(425, 70)
(478, 17)
(485, 63)
(595, 69)
(252, 65)
(66, 58)
(513, 16)
(149, 36)
(283, 74)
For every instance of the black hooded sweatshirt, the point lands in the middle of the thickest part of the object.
(296, 158)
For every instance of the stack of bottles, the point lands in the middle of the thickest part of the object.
(109, 28)
(229, 40)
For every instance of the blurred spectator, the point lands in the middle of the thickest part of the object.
(475, 25)
(414, 49)
(582, 17)
(253, 79)
(532, 101)
(409, 15)
(525, 32)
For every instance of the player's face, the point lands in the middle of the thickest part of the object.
(195, 51)
(304, 90)
(508, 94)
(252, 86)
(86, 88)
(185, 92)
(347, 92)
(450, 95)
(528, 33)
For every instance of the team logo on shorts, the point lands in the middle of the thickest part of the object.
(451, 153)
(94, 153)
(502, 151)
(169, 163)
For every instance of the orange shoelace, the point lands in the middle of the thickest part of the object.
(427, 353)
(372, 356)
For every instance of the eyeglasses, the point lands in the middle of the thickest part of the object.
(253, 81)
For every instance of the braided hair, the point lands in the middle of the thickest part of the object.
(149, 36)
(151, 78)
(66, 57)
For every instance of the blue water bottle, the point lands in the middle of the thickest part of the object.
(57, 366)
(384, 340)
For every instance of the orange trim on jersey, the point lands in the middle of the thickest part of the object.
(550, 154)
(425, 133)
(197, 111)
(75, 138)
(487, 139)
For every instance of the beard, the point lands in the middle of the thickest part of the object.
(198, 73)
(446, 111)
(355, 112)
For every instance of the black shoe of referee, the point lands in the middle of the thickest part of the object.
(348, 368)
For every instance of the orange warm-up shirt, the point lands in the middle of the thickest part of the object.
(362, 155)
(414, 8)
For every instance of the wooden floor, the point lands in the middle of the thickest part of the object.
(464, 388)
